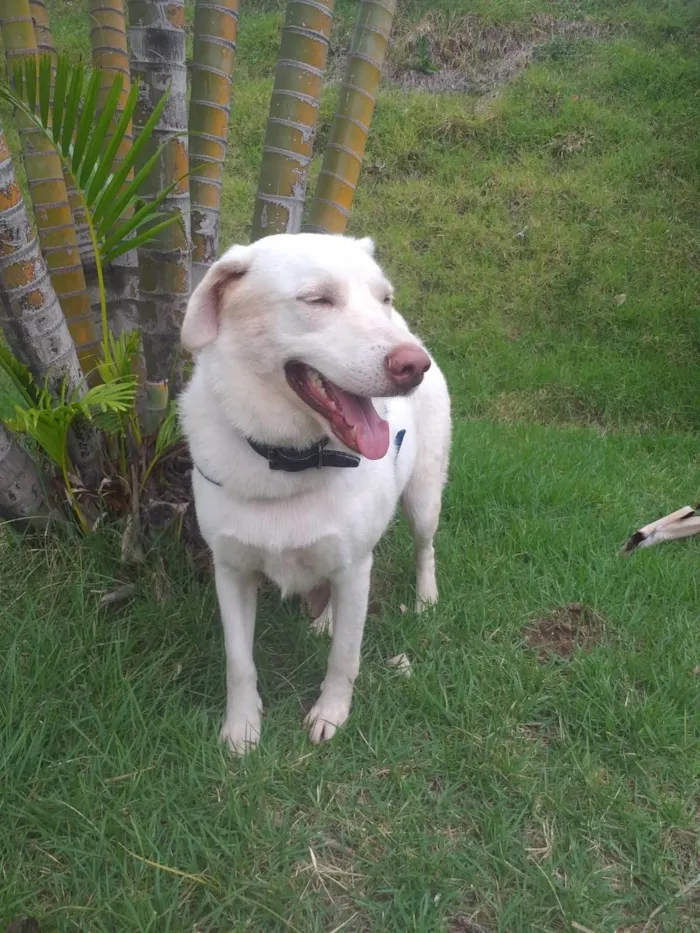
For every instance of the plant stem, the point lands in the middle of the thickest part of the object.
(100, 280)
(69, 492)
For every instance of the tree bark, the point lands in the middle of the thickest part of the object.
(50, 199)
(31, 317)
(46, 46)
(52, 210)
(215, 27)
(110, 55)
(157, 45)
(22, 501)
(42, 29)
(33, 323)
(342, 161)
(291, 125)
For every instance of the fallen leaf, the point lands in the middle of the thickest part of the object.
(401, 663)
(118, 594)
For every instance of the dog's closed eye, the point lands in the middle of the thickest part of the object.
(319, 301)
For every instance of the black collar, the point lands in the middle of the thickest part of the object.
(294, 461)
(314, 457)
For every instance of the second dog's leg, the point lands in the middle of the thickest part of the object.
(349, 594)
(237, 594)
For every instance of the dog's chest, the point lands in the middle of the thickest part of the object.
(297, 567)
(299, 570)
(300, 541)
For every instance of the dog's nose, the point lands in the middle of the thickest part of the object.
(407, 364)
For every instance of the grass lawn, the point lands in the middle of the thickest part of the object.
(540, 770)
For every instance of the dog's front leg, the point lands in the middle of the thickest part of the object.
(237, 594)
(349, 597)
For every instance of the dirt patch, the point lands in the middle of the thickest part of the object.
(466, 925)
(449, 53)
(564, 630)
(535, 732)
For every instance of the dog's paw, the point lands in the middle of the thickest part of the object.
(427, 596)
(328, 714)
(241, 730)
(323, 625)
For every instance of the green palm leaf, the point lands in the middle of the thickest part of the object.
(66, 111)
(17, 386)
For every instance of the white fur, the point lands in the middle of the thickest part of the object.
(251, 314)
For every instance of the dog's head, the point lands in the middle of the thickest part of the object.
(311, 315)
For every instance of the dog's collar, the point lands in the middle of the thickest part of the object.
(295, 461)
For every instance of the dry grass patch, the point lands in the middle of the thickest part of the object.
(445, 52)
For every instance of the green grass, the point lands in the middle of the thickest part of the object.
(544, 241)
(534, 793)
(555, 285)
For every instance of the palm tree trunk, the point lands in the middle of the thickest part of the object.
(52, 210)
(342, 161)
(33, 323)
(291, 125)
(31, 317)
(42, 29)
(215, 27)
(110, 56)
(157, 44)
(22, 500)
(46, 46)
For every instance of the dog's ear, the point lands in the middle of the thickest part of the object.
(367, 244)
(201, 323)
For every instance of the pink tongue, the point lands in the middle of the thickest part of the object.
(372, 432)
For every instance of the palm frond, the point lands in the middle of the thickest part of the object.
(123, 349)
(16, 383)
(25, 409)
(169, 432)
(65, 110)
(118, 396)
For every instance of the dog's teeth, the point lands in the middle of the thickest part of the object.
(318, 383)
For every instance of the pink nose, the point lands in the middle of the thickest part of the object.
(407, 364)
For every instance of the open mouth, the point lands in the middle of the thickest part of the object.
(352, 418)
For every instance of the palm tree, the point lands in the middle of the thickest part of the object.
(335, 189)
(215, 28)
(52, 211)
(42, 30)
(291, 124)
(46, 46)
(33, 322)
(110, 55)
(157, 42)
(22, 499)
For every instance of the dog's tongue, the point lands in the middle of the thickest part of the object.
(371, 437)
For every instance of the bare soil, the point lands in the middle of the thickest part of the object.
(565, 629)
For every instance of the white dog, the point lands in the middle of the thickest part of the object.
(311, 412)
